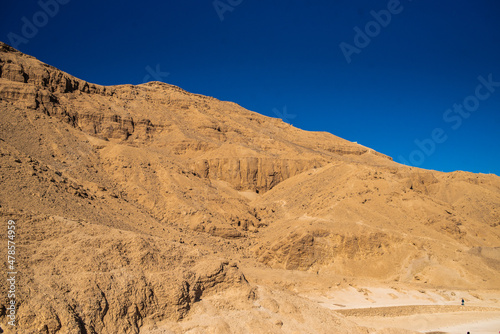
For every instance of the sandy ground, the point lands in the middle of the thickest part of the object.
(459, 322)
(474, 326)
(426, 311)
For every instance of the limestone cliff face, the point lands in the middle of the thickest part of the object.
(94, 122)
(18, 67)
(252, 173)
(313, 249)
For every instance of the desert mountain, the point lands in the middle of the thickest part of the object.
(154, 210)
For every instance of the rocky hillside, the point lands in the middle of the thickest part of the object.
(135, 203)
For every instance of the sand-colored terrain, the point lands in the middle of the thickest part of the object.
(432, 310)
(149, 209)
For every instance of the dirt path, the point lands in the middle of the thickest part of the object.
(407, 310)
(429, 311)
(458, 322)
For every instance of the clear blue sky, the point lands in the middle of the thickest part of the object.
(272, 55)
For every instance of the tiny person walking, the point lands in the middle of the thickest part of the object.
(463, 302)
